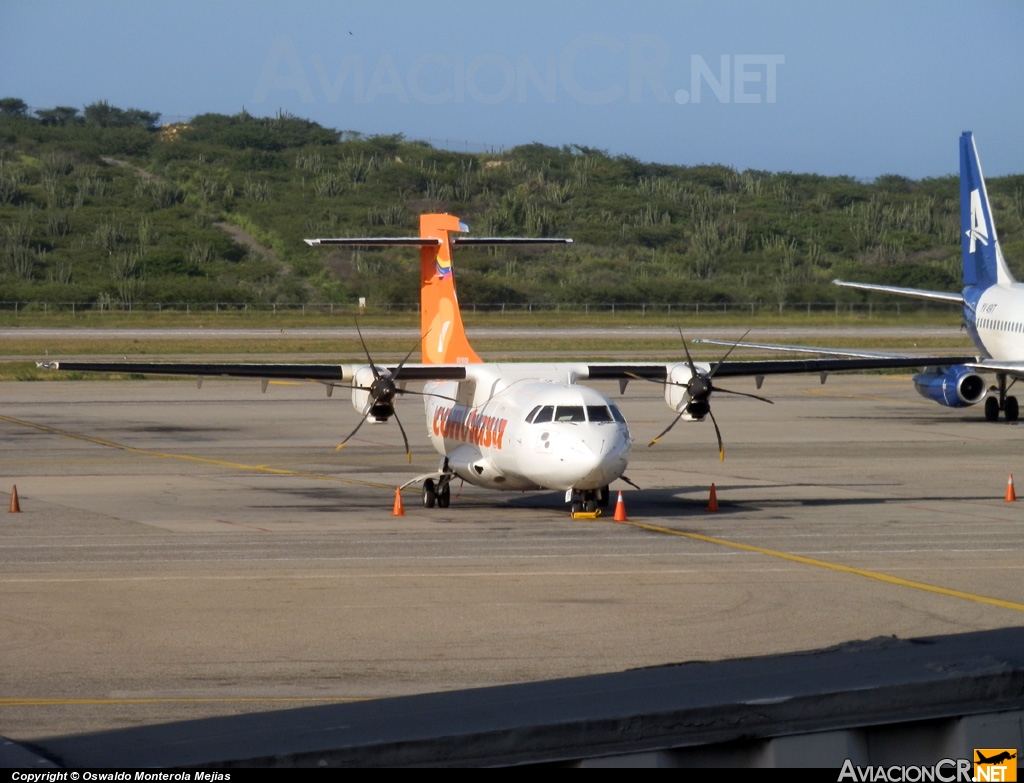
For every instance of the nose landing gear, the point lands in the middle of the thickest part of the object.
(587, 503)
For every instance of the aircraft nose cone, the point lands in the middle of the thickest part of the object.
(602, 458)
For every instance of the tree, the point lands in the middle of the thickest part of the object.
(106, 116)
(59, 115)
(13, 107)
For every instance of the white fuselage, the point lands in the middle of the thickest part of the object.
(523, 427)
(997, 324)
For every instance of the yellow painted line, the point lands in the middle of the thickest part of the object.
(893, 580)
(191, 458)
(78, 702)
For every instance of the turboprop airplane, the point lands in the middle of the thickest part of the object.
(993, 309)
(507, 426)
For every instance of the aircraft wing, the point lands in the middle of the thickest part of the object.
(295, 372)
(918, 293)
(840, 360)
(1015, 369)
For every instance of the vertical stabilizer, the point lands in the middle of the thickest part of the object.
(983, 261)
(442, 336)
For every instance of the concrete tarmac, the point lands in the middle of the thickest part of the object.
(186, 552)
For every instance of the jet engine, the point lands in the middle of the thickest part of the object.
(954, 387)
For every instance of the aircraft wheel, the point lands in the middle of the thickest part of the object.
(991, 409)
(429, 495)
(576, 507)
(444, 497)
(1010, 409)
(590, 506)
(604, 496)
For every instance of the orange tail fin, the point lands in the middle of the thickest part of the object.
(443, 338)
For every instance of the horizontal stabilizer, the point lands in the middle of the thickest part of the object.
(433, 242)
(376, 241)
(509, 241)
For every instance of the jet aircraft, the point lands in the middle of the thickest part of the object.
(506, 426)
(993, 310)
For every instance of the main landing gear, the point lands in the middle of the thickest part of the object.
(587, 501)
(1008, 405)
(439, 493)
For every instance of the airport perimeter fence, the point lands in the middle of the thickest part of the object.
(643, 308)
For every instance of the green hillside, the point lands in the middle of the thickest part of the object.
(107, 207)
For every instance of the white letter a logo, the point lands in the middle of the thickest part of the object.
(978, 230)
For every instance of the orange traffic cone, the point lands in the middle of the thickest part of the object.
(399, 509)
(713, 500)
(1011, 496)
(15, 505)
(620, 509)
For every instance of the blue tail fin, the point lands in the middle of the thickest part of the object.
(983, 260)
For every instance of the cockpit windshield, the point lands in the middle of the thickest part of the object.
(542, 414)
(570, 413)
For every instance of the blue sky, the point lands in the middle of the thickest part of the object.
(864, 88)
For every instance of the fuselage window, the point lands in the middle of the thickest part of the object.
(570, 413)
(598, 413)
(544, 414)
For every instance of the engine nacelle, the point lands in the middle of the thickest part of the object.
(954, 387)
(678, 376)
(361, 397)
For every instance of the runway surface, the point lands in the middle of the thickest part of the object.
(188, 552)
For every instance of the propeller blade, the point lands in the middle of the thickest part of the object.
(366, 350)
(408, 452)
(733, 348)
(401, 364)
(689, 359)
(665, 431)
(718, 434)
(362, 420)
(425, 394)
(741, 394)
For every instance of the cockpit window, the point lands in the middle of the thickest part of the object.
(598, 413)
(544, 414)
(531, 414)
(570, 413)
(617, 414)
